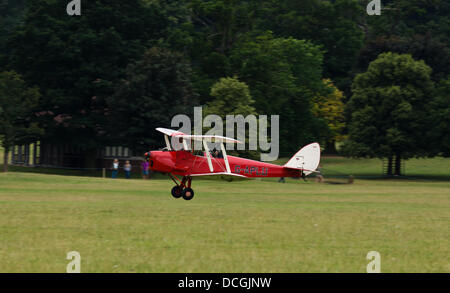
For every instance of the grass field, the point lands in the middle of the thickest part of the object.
(250, 226)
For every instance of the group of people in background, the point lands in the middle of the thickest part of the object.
(127, 169)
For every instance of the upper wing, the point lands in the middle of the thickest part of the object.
(169, 132)
(209, 138)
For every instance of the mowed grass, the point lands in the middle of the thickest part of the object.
(249, 226)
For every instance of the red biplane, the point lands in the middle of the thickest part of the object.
(186, 164)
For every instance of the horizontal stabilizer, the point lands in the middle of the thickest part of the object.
(306, 171)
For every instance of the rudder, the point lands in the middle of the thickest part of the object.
(306, 159)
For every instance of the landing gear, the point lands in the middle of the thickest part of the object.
(182, 188)
(188, 194)
(177, 191)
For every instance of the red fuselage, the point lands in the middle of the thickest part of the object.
(184, 163)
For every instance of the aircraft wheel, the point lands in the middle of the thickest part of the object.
(188, 193)
(177, 192)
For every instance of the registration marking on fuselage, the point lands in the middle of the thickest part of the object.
(251, 170)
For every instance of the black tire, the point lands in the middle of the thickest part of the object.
(188, 194)
(177, 192)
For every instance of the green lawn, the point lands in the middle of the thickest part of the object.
(249, 226)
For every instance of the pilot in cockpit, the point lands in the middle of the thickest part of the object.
(216, 153)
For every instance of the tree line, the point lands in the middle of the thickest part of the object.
(375, 86)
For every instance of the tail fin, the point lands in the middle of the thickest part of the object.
(306, 159)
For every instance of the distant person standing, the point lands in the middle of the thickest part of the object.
(127, 169)
(144, 168)
(115, 168)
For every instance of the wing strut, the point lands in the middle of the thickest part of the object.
(225, 157)
(208, 155)
(185, 146)
(166, 138)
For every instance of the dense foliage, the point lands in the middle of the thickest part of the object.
(154, 89)
(141, 61)
(391, 109)
(17, 120)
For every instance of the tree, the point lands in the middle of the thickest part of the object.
(440, 131)
(155, 88)
(223, 21)
(421, 47)
(390, 110)
(330, 107)
(230, 97)
(284, 74)
(11, 14)
(17, 102)
(333, 25)
(412, 17)
(218, 26)
(76, 61)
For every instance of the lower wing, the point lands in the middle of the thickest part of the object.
(223, 175)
